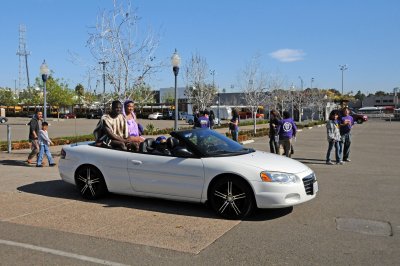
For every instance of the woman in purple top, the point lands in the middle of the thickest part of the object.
(133, 126)
(346, 123)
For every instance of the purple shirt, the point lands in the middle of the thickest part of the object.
(204, 122)
(132, 127)
(286, 128)
(344, 129)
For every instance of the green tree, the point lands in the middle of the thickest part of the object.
(58, 94)
(7, 97)
(359, 96)
(380, 93)
(80, 91)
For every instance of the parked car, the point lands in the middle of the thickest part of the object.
(155, 116)
(3, 119)
(68, 116)
(190, 119)
(95, 114)
(359, 118)
(202, 166)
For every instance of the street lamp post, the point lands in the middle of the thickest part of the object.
(104, 84)
(219, 102)
(44, 71)
(175, 61)
(342, 68)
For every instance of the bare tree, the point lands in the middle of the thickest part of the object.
(198, 91)
(128, 53)
(253, 82)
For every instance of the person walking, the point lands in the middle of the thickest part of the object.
(274, 118)
(286, 131)
(211, 117)
(346, 124)
(234, 125)
(34, 135)
(333, 134)
(44, 143)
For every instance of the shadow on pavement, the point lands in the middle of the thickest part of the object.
(60, 189)
(310, 161)
(14, 163)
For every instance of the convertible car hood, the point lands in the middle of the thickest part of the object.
(271, 162)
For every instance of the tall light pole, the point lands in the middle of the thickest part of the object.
(44, 71)
(342, 68)
(175, 61)
(104, 84)
(292, 89)
(301, 83)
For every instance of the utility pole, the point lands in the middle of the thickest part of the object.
(23, 58)
(104, 85)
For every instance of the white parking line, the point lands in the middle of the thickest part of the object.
(60, 253)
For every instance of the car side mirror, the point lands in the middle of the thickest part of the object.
(183, 153)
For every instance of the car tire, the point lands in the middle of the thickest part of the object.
(190, 122)
(360, 121)
(90, 182)
(231, 197)
(2, 121)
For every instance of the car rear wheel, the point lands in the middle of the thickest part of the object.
(360, 121)
(90, 182)
(231, 197)
(2, 121)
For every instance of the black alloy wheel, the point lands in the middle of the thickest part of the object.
(360, 121)
(232, 198)
(90, 182)
(2, 121)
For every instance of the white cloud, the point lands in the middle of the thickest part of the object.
(288, 55)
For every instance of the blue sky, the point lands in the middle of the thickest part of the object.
(306, 38)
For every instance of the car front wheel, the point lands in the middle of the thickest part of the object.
(232, 198)
(90, 182)
(2, 121)
(360, 121)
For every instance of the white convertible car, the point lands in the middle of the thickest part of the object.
(198, 165)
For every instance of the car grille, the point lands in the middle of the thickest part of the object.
(308, 182)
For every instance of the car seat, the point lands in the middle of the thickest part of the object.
(172, 143)
(147, 146)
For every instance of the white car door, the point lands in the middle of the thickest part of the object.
(166, 176)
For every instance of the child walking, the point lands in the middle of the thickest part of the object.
(44, 142)
(333, 134)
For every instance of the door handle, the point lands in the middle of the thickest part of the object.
(135, 162)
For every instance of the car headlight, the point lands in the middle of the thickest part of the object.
(278, 177)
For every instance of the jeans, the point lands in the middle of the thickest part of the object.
(285, 147)
(35, 149)
(235, 134)
(345, 145)
(273, 145)
(337, 151)
(44, 149)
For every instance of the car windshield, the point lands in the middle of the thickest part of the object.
(212, 144)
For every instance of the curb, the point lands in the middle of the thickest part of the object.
(247, 141)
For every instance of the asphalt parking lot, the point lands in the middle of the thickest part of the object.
(355, 219)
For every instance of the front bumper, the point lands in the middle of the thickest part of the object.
(276, 195)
